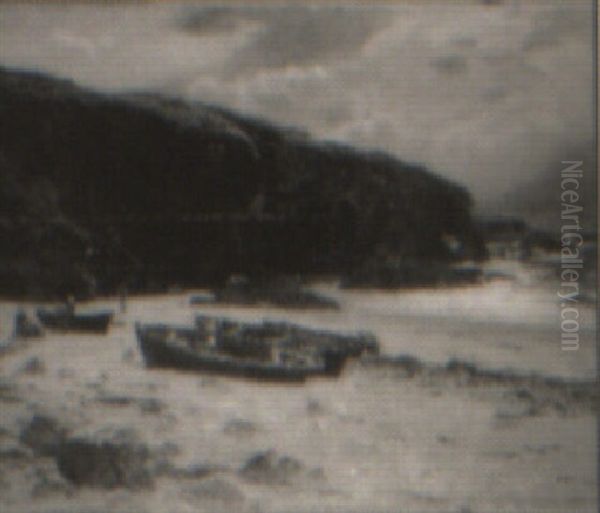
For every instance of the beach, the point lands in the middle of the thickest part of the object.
(516, 433)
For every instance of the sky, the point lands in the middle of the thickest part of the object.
(491, 94)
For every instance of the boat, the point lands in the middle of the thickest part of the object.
(236, 349)
(351, 345)
(65, 320)
(279, 292)
(241, 338)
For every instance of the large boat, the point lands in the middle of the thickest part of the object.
(64, 319)
(267, 351)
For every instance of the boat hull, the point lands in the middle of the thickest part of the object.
(160, 354)
(83, 323)
(164, 348)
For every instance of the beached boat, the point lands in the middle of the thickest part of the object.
(63, 319)
(279, 292)
(351, 345)
(232, 351)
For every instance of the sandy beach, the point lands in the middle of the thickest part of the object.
(385, 437)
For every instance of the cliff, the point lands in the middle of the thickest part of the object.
(98, 191)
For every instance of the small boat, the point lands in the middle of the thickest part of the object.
(282, 292)
(63, 319)
(185, 348)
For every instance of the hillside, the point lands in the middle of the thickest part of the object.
(99, 191)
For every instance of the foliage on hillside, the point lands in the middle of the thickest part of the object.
(100, 190)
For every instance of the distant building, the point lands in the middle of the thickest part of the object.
(506, 237)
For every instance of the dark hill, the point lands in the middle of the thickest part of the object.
(97, 191)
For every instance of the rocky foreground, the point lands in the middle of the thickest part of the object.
(86, 428)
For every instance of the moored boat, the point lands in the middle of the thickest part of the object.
(63, 319)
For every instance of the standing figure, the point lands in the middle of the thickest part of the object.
(70, 305)
(25, 327)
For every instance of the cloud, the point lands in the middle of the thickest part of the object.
(290, 35)
(209, 20)
(473, 100)
(482, 95)
(450, 64)
(553, 26)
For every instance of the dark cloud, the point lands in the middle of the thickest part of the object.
(291, 36)
(537, 196)
(209, 20)
(494, 94)
(450, 64)
(550, 28)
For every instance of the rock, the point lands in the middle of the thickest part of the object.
(145, 404)
(47, 481)
(407, 365)
(193, 472)
(215, 489)
(443, 439)
(316, 474)
(151, 405)
(523, 394)
(4, 483)
(9, 393)
(33, 365)
(13, 452)
(43, 434)
(116, 400)
(463, 372)
(270, 468)
(65, 373)
(314, 407)
(110, 463)
(518, 403)
(26, 327)
(128, 355)
(239, 427)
